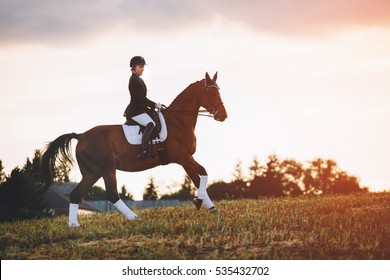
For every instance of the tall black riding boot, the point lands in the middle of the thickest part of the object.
(145, 140)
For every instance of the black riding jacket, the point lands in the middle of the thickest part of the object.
(139, 103)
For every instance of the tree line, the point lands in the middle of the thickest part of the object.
(288, 177)
(279, 178)
(274, 178)
(21, 191)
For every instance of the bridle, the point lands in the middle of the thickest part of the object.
(214, 107)
(203, 112)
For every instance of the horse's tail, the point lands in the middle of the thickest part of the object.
(59, 149)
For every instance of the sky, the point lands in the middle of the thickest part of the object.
(302, 79)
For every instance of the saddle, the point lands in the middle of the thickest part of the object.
(133, 132)
(155, 117)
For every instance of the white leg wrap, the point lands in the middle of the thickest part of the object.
(202, 193)
(73, 208)
(122, 207)
(207, 202)
(202, 187)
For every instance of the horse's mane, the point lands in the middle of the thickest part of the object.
(184, 93)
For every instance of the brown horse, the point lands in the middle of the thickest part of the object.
(104, 149)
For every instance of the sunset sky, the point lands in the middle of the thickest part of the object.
(302, 79)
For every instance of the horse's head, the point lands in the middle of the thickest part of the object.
(211, 99)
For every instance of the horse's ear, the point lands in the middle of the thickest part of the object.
(215, 77)
(208, 79)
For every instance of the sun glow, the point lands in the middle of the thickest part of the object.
(295, 96)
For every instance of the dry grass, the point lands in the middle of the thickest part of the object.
(335, 227)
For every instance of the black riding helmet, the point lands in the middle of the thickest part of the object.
(137, 60)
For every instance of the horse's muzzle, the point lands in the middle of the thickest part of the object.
(220, 114)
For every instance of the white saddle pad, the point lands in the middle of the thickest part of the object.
(134, 135)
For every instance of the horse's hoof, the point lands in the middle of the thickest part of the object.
(214, 211)
(197, 202)
(136, 218)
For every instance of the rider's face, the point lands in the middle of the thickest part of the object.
(139, 69)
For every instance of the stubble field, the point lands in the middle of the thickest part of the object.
(332, 227)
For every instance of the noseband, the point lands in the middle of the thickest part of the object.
(214, 108)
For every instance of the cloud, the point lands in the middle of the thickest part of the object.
(311, 18)
(42, 20)
(47, 20)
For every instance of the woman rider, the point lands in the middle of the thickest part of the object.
(139, 103)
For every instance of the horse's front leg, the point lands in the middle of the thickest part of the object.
(198, 175)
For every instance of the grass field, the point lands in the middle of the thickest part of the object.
(333, 227)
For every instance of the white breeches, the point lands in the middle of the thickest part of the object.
(143, 119)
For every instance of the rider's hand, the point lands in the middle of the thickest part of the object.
(158, 105)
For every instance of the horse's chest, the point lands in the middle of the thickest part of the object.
(193, 146)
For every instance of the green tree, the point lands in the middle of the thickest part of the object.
(323, 173)
(2, 174)
(62, 172)
(21, 192)
(220, 190)
(325, 177)
(270, 182)
(150, 192)
(238, 174)
(21, 196)
(346, 184)
(292, 181)
(96, 193)
(124, 194)
(237, 188)
(255, 169)
(186, 192)
(33, 168)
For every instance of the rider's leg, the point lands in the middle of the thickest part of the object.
(145, 140)
(145, 120)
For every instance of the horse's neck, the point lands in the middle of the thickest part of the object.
(186, 105)
(188, 100)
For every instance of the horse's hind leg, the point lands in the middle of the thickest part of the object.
(76, 196)
(113, 196)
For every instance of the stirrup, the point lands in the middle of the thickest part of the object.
(143, 155)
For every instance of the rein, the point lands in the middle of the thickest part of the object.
(201, 113)
(205, 113)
